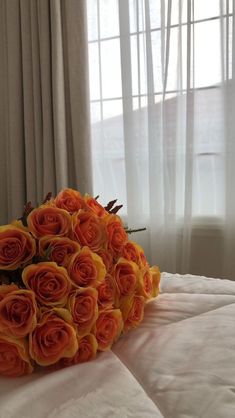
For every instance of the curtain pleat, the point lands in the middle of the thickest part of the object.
(44, 105)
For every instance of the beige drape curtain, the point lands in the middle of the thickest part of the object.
(44, 105)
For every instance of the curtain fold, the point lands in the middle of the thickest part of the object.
(44, 104)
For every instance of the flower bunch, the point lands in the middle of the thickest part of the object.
(71, 282)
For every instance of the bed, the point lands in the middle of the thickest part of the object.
(179, 363)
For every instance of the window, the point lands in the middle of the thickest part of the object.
(190, 57)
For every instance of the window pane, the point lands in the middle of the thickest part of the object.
(207, 57)
(111, 68)
(137, 15)
(204, 9)
(95, 112)
(112, 108)
(179, 12)
(138, 64)
(208, 186)
(94, 73)
(109, 20)
(109, 176)
(155, 13)
(177, 66)
(92, 20)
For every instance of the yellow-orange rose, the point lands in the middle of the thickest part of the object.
(17, 247)
(87, 348)
(86, 268)
(7, 288)
(107, 292)
(126, 274)
(89, 230)
(132, 308)
(156, 277)
(117, 236)
(95, 206)
(49, 282)
(131, 252)
(107, 258)
(83, 307)
(145, 287)
(14, 358)
(48, 221)
(18, 313)
(143, 259)
(52, 339)
(58, 249)
(69, 200)
(108, 328)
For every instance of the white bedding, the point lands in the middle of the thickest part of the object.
(179, 363)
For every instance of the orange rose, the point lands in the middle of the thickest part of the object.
(18, 313)
(86, 268)
(83, 307)
(117, 236)
(14, 358)
(145, 287)
(89, 230)
(52, 339)
(107, 258)
(47, 220)
(87, 348)
(17, 247)
(131, 252)
(156, 277)
(108, 328)
(126, 274)
(107, 292)
(49, 282)
(7, 288)
(132, 308)
(69, 200)
(94, 206)
(143, 260)
(58, 249)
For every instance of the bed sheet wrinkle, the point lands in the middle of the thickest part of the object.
(186, 362)
(100, 389)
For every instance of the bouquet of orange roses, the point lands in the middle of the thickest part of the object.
(70, 283)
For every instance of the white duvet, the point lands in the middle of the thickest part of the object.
(179, 363)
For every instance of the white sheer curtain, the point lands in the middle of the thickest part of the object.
(163, 135)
